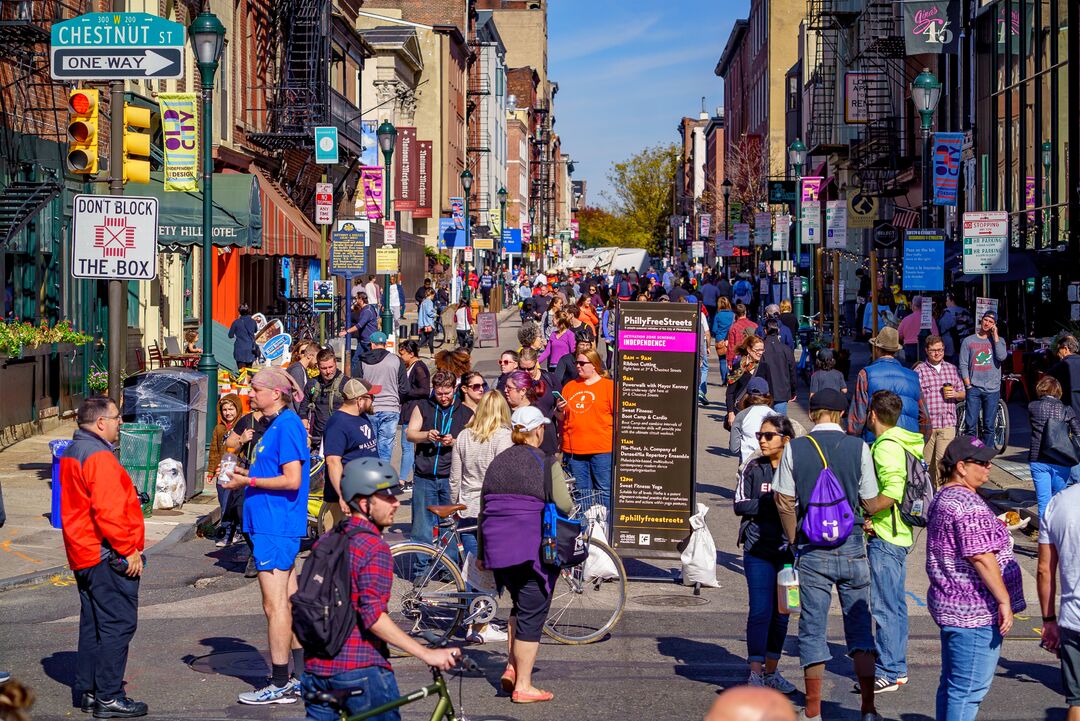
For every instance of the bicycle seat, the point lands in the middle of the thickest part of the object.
(334, 698)
(447, 511)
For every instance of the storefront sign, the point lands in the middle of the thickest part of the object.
(348, 247)
(862, 211)
(762, 228)
(947, 149)
(371, 188)
(857, 88)
(782, 191)
(484, 243)
(924, 260)
(986, 242)
(741, 232)
(406, 160)
(387, 260)
(487, 327)
(781, 232)
(655, 427)
(931, 26)
(836, 225)
(322, 295)
(180, 136)
(423, 179)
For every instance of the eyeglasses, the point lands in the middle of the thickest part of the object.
(937, 349)
(758, 349)
(476, 386)
(506, 362)
(112, 418)
(768, 435)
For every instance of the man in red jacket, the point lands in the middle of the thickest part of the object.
(103, 537)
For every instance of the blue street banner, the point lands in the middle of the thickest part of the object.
(924, 260)
(457, 212)
(511, 240)
(947, 147)
(450, 236)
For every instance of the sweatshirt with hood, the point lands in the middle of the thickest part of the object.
(221, 431)
(890, 464)
(380, 367)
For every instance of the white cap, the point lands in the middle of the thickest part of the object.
(528, 418)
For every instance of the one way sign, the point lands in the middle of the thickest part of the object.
(117, 64)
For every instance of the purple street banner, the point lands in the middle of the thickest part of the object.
(704, 225)
(457, 212)
(947, 147)
(930, 26)
(811, 189)
(371, 184)
(725, 246)
(655, 427)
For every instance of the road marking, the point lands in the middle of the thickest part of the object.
(6, 547)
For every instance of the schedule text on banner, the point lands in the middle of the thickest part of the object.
(947, 147)
(180, 134)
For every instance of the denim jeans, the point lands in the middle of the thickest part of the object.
(888, 605)
(1074, 474)
(723, 370)
(378, 686)
(982, 402)
(766, 627)
(969, 657)
(408, 453)
(427, 492)
(820, 569)
(1049, 478)
(703, 386)
(386, 426)
(591, 472)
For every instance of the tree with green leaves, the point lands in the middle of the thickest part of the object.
(641, 192)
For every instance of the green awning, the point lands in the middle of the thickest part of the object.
(237, 211)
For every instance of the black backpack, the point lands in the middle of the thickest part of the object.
(322, 610)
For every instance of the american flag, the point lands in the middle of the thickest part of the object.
(905, 218)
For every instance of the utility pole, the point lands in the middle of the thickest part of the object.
(117, 296)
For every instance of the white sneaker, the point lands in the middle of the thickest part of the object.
(756, 679)
(778, 682)
(270, 694)
(490, 634)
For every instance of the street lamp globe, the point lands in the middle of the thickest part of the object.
(207, 36)
(925, 93)
(502, 195)
(1047, 153)
(797, 153)
(387, 135)
(466, 180)
(726, 186)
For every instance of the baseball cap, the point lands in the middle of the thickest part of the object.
(356, 387)
(829, 399)
(758, 387)
(377, 337)
(967, 448)
(528, 418)
(990, 314)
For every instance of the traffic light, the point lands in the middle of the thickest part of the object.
(136, 143)
(82, 156)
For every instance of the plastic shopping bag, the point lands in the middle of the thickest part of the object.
(699, 556)
(171, 485)
(598, 565)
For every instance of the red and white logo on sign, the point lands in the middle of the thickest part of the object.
(115, 237)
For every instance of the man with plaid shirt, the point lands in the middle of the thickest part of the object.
(941, 388)
(370, 487)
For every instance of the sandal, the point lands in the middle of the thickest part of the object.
(509, 679)
(522, 697)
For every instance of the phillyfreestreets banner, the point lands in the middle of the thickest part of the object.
(931, 26)
(180, 131)
(655, 427)
(947, 147)
(371, 185)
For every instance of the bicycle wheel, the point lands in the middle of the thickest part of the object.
(425, 596)
(1001, 426)
(961, 418)
(584, 610)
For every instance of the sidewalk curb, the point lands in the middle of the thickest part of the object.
(178, 535)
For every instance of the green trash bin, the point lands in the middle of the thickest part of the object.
(140, 452)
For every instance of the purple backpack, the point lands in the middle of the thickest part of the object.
(829, 518)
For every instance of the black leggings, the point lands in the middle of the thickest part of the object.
(531, 599)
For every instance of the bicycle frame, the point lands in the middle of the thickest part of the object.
(443, 710)
(464, 598)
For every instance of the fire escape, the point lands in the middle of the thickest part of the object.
(876, 153)
(33, 107)
(479, 96)
(543, 183)
(828, 20)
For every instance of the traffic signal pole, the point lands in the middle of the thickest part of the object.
(117, 296)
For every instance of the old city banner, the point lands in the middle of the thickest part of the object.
(180, 133)
(371, 183)
(931, 26)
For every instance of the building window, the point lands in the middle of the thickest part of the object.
(223, 102)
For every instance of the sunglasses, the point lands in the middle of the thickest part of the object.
(984, 464)
(582, 363)
(506, 362)
(525, 368)
(476, 386)
(768, 435)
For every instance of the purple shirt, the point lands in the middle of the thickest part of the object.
(962, 525)
(558, 346)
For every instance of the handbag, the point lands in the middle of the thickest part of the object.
(1058, 446)
(564, 542)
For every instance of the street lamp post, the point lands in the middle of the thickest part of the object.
(387, 136)
(532, 232)
(726, 189)
(207, 40)
(797, 158)
(1047, 161)
(466, 185)
(502, 227)
(925, 93)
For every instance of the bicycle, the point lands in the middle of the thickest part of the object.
(1001, 424)
(429, 594)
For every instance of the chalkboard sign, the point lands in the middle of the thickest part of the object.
(487, 327)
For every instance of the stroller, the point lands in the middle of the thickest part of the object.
(318, 512)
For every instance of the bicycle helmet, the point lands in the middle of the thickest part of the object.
(366, 476)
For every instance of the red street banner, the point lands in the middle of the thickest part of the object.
(423, 179)
(371, 186)
(405, 162)
(947, 167)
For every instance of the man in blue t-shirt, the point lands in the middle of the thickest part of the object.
(350, 434)
(275, 519)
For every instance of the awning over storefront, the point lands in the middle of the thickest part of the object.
(237, 216)
(286, 231)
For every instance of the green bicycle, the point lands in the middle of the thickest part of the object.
(444, 709)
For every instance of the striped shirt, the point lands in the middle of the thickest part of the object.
(469, 464)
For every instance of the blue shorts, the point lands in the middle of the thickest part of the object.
(274, 552)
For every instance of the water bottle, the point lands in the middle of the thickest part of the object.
(787, 590)
(550, 551)
(228, 465)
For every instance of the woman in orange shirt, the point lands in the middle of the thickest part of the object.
(587, 313)
(588, 420)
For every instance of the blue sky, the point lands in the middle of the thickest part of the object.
(628, 70)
